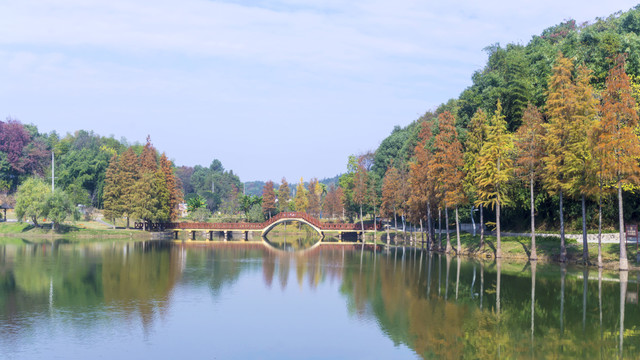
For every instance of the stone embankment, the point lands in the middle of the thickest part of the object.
(607, 238)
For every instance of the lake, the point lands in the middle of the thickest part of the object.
(239, 300)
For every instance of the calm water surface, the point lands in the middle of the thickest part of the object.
(240, 300)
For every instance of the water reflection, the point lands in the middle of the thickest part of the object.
(292, 242)
(494, 309)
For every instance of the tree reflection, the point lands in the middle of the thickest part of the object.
(489, 317)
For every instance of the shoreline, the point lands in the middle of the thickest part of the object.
(514, 248)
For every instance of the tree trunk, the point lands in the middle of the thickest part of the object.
(498, 242)
(533, 255)
(439, 229)
(457, 275)
(498, 269)
(429, 228)
(362, 226)
(481, 227)
(563, 247)
(563, 274)
(624, 264)
(421, 235)
(533, 307)
(624, 278)
(459, 249)
(585, 246)
(127, 221)
(446, 224)
(395, 219)
(600, 230)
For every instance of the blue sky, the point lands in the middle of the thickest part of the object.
(271, 88)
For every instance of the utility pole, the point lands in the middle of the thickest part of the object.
(53, 172)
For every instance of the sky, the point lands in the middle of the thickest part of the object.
(270, 88)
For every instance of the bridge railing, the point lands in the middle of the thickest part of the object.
(258, 226)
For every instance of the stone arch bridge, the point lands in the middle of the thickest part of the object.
(263, 227)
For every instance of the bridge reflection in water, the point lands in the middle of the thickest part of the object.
(291, 242)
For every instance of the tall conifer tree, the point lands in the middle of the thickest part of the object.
(390, 189)
(447, 165)
(268, 199)
(475, 138)
(495, 168)
(284, 195)
(530, 146)
(112, 192)
(580, 163)
(301, 200)
(172, 185)
(617, 141)
(128, 176)
(560, 109)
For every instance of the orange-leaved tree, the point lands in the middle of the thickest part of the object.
(560, 108)
(390, 189)
(579, 162)
(618, 145)
(314, 198)
(173, 185)
(268, 199)
(420, 182)
(446, 165)
(529, 140)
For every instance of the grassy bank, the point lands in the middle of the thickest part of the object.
(77, 230)
(518, 248)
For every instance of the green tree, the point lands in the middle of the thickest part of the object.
(112, 199)
(58, 207)
(301, 200)
(201, 214)
(255, 214)
(196, 202)
(313, 197)
(247, 202)
(475, 138)
(31, 199)
(127, 181)
(495, 169)
(284, 195)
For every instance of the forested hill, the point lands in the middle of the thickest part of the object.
(256, 187)
(518, 74)
(81, 162)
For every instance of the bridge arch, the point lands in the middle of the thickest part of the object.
(270, 227)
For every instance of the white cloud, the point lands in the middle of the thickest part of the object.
(359, 66)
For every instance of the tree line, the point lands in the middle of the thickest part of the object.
(141, 186)
(82, 160)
